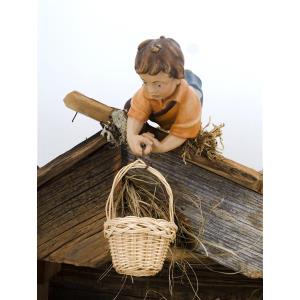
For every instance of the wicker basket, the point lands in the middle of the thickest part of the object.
(138, 245)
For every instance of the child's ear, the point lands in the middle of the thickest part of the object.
(177, 81)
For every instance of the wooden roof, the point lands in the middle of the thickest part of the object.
(73, 188)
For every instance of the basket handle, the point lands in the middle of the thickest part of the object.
(137, 164)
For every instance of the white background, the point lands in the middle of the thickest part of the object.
(90, 46)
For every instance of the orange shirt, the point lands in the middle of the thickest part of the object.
(182, 120)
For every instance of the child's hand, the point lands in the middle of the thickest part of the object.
(156, 144)
(135, 143)
(169, 143)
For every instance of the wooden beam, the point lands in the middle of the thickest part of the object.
(232, 170)
(68, 159)
(88, 106)
(225, 167)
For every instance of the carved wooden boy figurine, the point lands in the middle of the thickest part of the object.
(165, 98)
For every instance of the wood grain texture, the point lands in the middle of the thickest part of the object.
(69, 158)
(232, 170)
(75, 187)
(82, 283)
(88, 106)
(232, 213)
(71, 210)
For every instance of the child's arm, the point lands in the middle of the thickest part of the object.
(169, 143)
(135, 140)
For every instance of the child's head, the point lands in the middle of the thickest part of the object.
(160, 64)
(160, 55)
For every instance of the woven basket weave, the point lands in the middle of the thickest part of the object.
(138, 245)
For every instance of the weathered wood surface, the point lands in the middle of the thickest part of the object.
(68, 159)
(82, 283)
(88, 106)
(227, 168)
(232, 170)
(71, 210)
(232, 213)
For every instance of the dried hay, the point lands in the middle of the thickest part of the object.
(205, 143)
(142, 194)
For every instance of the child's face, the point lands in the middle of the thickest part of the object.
(159, 86)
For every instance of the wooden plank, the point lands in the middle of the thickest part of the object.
(227, 168)
(232, 170)
(88, 106)
(71, 210)
(232, 213)
(69, 158)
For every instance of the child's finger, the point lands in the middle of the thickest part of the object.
(149, 134)
(147, 140)
(150, 137)
(147, 150)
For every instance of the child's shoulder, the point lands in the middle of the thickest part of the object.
(189, 95)
(139, 94)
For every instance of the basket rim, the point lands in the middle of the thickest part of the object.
(167, 229)
(140, 218)
(114, 221)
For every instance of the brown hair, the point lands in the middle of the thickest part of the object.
(160, 55)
